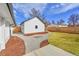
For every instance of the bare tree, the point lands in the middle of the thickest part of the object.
(61, 21)
(58, 23)
(77, 19)
(53, 22)
(73, 20)
(34, 12)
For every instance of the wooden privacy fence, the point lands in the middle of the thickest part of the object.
(64, 29)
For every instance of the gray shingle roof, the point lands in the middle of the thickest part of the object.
(42, 20)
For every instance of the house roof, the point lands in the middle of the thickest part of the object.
(6, 13)
(10, 7)
(42, 20)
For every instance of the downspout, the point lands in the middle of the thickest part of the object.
(10, 29)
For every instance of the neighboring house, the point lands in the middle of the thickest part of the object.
(33, 25)
(62, 26)
(6, 20)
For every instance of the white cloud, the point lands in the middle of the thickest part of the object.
(63, 4)
(14, 11)
(25, 8)
(57, 6)
(69, 7)
(53, 7)
(64, 8)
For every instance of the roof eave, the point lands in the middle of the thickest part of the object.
(9, 5)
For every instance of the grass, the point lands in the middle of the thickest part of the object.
(66, 41)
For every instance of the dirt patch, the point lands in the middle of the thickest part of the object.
(43, 43)
(14, 47)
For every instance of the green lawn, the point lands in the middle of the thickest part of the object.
(68, 42)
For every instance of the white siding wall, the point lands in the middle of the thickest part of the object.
(2, 38)
(4, 33)
(7, 31)
(7, 34)
(29, 26)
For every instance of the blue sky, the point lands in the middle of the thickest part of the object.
(51, 11)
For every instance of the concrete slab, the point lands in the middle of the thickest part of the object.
(32, 42)
(51, 50)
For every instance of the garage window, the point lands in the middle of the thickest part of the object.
(36, 26)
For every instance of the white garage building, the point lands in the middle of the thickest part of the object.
(33, 25)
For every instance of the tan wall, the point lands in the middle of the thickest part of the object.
(16, 29)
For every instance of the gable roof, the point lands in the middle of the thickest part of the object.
(42, 20)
